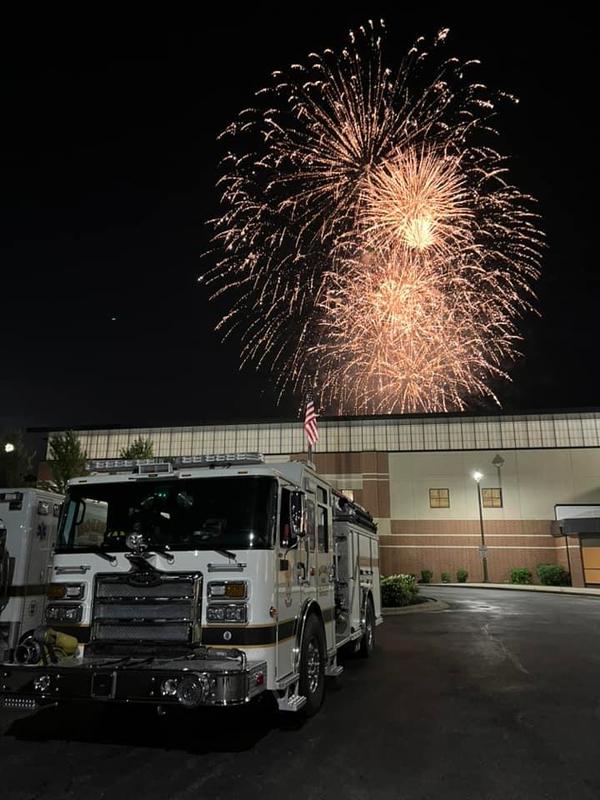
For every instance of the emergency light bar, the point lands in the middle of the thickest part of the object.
(219, 459)
(153, 466)
(142, 465)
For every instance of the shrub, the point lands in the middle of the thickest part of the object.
(426, 576)
(461, 575)
(399, 590)
(520, 575)
(446, 577)
(553, 575)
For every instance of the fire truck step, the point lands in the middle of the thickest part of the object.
(333, 670)
(293, 702)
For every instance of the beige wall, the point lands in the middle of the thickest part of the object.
(532, 481)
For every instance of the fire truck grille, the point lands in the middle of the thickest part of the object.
(147, 608)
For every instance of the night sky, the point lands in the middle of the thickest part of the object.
(109, 159)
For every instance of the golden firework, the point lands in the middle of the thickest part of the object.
(420, 201)
(370, 242)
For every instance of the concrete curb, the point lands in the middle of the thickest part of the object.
(582, 592)
(430, 605)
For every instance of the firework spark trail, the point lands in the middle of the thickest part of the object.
(371, 243)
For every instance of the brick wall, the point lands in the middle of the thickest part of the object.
(449, 545)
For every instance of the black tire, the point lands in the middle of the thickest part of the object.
(367, 643)
(312, 666)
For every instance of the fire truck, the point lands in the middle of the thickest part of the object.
(28, 527)
(201, 581)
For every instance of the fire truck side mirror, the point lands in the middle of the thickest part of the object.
(297, 514)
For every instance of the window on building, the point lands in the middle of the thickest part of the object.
(491, 498)
(439, 498)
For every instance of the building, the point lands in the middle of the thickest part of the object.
(414, 473)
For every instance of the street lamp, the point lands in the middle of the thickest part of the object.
(477, 476)
(9, 447)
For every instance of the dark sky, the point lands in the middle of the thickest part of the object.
(109, 154)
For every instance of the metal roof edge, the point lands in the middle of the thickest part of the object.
(464, 415)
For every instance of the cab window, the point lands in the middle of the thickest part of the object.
(322, 529)
(285, 528)
(310, 524)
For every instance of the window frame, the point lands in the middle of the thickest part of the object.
(485, 501)
(439, 497)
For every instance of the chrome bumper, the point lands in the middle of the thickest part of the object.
(217, 678)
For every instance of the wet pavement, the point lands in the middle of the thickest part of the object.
(495, 697)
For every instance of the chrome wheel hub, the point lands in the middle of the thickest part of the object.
(370, 636)
(313, 666)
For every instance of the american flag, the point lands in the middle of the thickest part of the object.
(311, 428)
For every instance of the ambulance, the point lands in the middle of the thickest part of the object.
(28, 528)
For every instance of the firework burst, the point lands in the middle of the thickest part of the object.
(403, 331)
(371, 244)
(418, 201)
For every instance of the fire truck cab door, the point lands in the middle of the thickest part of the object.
(325, 583)
(318, 551)
(292, 572)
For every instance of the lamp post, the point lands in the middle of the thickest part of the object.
(9, 447)
(477, 476)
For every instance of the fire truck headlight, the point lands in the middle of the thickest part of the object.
(192, 690)
(42, 683)
(235, 612)
(215, 614)
(73, 612)
(169, 687)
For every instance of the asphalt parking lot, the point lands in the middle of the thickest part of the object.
(498, 696)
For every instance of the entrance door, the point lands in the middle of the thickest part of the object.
(590, 556)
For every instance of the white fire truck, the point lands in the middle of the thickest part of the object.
(28, 526)
(201, 581)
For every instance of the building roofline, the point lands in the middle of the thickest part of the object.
(465, 415)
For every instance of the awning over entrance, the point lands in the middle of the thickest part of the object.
(576, 519)
(581, 525)
(583, 521)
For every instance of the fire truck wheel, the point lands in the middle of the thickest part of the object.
(367, 643)
(312, 666)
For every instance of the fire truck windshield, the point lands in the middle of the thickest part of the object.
(194, 514)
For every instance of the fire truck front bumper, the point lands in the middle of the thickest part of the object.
(218, 678)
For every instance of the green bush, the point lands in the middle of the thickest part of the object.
(520, 575)
(553, 575)
(426, 576)
(446, 577)
(399, 590)
(461, 575)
